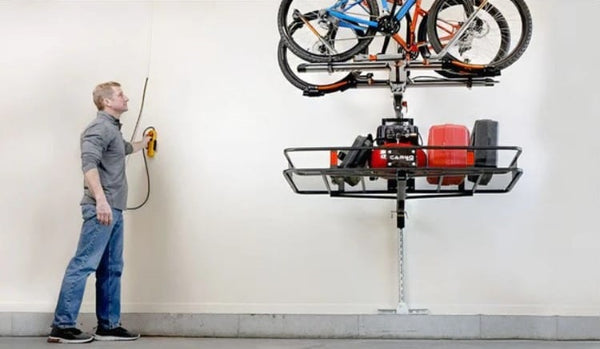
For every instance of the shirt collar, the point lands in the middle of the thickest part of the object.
(104, 115)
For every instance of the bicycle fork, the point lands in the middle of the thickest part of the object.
(461, 31)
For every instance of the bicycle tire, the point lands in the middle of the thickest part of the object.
(458, 70)
(296, 40)
(497, 15)
(305, 86)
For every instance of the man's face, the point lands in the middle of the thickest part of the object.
(118, 101)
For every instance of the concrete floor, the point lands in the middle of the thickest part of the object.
(219, 343)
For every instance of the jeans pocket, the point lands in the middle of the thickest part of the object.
(88, 212)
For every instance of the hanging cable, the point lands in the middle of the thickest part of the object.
(143, 153)
(139, 118)
(147, 175)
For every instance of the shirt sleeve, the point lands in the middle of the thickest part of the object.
(128, 147)
(94, 142)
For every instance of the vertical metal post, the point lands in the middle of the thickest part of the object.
(401, 180)
(402, 307)
(398, 105)
(398, 85)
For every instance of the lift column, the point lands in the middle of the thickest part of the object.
(401, 179)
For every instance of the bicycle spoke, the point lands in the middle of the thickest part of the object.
(324, 35)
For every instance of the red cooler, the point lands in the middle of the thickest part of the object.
(448, 135)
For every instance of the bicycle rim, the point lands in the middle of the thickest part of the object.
(288, 63)
(315, 35)
(496, 38)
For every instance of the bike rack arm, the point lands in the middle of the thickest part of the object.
(399, 71)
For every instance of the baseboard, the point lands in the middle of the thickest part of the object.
(386, 326)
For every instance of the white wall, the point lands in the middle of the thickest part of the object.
(223, 231)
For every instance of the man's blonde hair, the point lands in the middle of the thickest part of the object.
(104, 90)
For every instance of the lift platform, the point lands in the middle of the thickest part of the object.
(398, 183)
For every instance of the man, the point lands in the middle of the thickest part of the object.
(100, 247)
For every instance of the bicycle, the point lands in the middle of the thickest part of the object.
(472, 34)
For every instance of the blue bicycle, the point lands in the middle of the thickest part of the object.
(473, 34)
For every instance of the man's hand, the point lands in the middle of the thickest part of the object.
(103, 209)
(103, 212)
(143, 144)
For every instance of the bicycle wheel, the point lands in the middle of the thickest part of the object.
(426, 53)
(315, 83)
(497, 37)
(313, 33)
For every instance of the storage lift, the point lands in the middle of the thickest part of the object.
(402, 177)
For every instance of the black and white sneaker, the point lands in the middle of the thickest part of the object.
(115, 334)
(69, 335)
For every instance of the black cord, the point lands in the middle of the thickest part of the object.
(147, 193)
(143, 153)
(137, 123)
(147, 176)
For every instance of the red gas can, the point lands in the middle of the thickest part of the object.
(448, 135)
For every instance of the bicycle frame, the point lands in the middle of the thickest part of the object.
(347, 21)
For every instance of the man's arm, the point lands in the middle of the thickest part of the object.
(103, 210)
(94, 141)
(137, 146)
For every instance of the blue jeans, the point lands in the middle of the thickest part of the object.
(100, 250)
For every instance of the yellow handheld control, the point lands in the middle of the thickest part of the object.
(151, 150)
